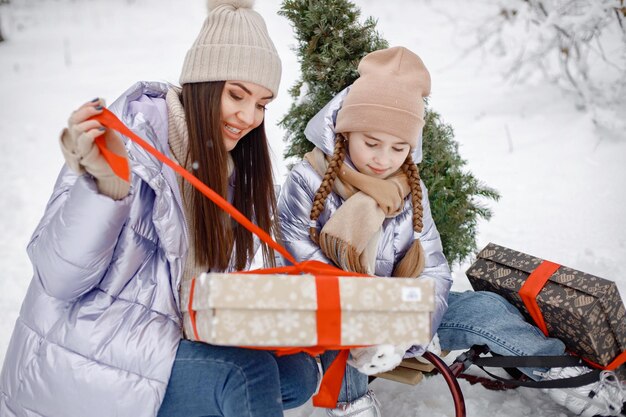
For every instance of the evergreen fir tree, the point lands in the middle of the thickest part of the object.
(331, 42)
(456, 196)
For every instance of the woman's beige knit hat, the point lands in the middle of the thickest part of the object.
(233, 44)
(388, 95)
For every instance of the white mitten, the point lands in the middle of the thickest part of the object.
(82, 155)
(376, 359)
(434, 346)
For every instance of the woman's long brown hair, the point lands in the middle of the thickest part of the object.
(216, 235)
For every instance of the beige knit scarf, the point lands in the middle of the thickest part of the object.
(350, 237)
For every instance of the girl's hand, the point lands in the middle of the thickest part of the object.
(82, 155)
(377, 359)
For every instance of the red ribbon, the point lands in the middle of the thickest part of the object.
(118, 163)
(616, 363)
(191, 311)
(529, 291)
(108, 119)
(328, 318)
(331, 383)
(328, 310)
(532, 287)
(329, 306)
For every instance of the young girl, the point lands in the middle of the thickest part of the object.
(100, 329)
(357, 201)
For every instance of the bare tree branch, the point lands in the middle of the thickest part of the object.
(562, 41)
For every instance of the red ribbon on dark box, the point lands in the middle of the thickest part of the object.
(529, 291)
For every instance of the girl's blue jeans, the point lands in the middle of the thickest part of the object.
(472, 318)
(210, 380)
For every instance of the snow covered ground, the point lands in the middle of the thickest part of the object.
(563, 183)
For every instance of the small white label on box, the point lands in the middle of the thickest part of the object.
(411, 294)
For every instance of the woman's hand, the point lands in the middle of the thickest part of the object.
(82, 155)
(377, 359)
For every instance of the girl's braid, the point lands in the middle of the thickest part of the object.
(327, 184)
(413, 175)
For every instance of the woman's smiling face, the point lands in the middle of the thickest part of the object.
(242, 109)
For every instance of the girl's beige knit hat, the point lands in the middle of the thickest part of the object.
(388, 95)
(233, 44)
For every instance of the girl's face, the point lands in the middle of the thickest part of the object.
(377, 154)
(242, 109)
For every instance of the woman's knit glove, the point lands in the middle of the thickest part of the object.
(82, 155)
(376, 359)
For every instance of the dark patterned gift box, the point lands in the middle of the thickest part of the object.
(584, 311)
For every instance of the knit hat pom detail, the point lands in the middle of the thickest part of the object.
(233, 44)
(237, 4)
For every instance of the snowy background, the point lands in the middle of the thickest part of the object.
(563, 182)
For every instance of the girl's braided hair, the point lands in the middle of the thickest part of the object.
(339, 153)
(330, 175)
(413, 174)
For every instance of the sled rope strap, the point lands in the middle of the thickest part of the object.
(532, 287)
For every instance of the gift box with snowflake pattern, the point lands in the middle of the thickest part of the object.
(584, 311)
(281, 310)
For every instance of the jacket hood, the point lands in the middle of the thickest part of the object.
(320, 130)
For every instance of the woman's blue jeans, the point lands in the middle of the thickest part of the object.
(210, 380)
(472, 318)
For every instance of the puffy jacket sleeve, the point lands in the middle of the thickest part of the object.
(294, 209)
(74, 242)
(436, 266)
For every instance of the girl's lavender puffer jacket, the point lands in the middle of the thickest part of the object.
(295, 202)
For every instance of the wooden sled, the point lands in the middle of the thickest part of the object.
(411, 371)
